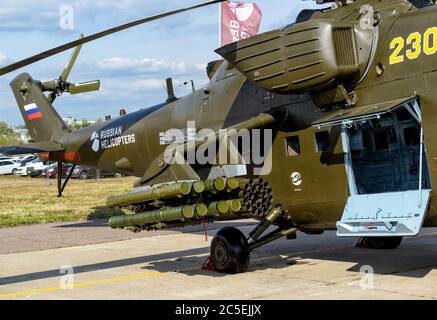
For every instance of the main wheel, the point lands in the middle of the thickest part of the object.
(384, 242)
(230, 251)
(83, 175)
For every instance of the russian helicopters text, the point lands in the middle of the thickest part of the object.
(346, 95)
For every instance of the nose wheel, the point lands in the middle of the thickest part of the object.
(230, 251)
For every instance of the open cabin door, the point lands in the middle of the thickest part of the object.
(385, 160)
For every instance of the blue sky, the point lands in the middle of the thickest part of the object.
(132, 65)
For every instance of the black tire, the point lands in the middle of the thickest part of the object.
(230, 251)
(384, 242)
(83, 175)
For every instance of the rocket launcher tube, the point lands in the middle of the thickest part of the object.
(198, 187)
(215, 185)
(201, 210)
(163, 192)
(232, 184)
(220, 210)
(152, 217)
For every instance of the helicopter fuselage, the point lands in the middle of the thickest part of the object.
(312, 182)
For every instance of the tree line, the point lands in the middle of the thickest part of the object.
(8, 137)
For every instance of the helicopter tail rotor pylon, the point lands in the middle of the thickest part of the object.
(41, 119)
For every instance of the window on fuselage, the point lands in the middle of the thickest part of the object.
(323, 143)
(292, 145)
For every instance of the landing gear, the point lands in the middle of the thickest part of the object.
(379, 242)
(230, 251)
(61, 186)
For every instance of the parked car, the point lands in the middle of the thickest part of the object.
(27, 158)
(24, 165)
(52, 170)
(8, 167)
(6, 159)
(22, 171)
(81, 172)
(35, 168)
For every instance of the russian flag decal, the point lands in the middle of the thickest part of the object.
(32, 111)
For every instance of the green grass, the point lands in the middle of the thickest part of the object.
(25, 201)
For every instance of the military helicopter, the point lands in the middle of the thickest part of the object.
(346, 96)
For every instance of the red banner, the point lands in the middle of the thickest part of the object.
(239, 21)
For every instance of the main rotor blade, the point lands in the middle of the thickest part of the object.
(69, 66)
(70, 45)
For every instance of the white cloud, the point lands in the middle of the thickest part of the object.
(28, 15)
(176, 46)
(106, 4)
(25, 15)
(2, 57)
(201, 66)
(147, 84)
(143, 65)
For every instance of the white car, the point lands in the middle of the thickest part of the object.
(35, 168)
(9, 167)
(24, 158)
(23, 166)
(22, 171)
(31, 166)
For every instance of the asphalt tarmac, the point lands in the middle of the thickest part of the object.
(87, 260)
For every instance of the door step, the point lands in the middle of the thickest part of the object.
(398, 214)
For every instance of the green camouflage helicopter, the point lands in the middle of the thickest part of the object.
(337, 105)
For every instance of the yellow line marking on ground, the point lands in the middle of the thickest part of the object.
(81, 285)
(118, 279)
(425, 235)
(127, 278)
(108, 281)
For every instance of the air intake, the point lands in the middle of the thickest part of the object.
(345, 47)
(308, 56)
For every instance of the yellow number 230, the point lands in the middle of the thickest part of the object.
(416, 45)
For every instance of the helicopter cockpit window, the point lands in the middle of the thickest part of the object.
(292, 145)
(322, 141)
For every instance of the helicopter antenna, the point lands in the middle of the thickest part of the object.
(170, 91)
